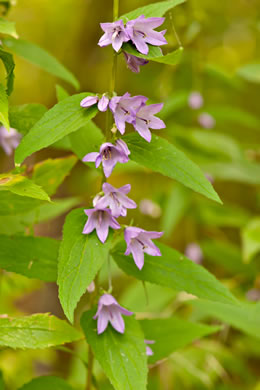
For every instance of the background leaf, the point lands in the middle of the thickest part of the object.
(9, 65)
(4, 108)
(251, 239)
(22, 118)
(250, 72)
(155, 54)
(86, 139)
(47, 382)
(20, 185)
(8, 28)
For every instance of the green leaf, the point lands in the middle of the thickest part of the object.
(46, 382)
(64, 118)
(24, 117)
(8, 28)
(12, 204)
(9, 65)
(50, 173)
(122, 356)
(251, 239)
(155, 54)
(61, 93)
(20, 185)
(86, 140)
(38, 56)
(36, 331)
(34, 257)
(80, 258)
(171, 334)
(250, 72)
(163, 157)
(151, 10)
(174, 270)
(245, 317)
(4, 108)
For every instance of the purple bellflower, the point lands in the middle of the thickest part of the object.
(115, 34)
(139, 241)
(109, 310)
(149, 351)
(101, 220)
(145, 119)
(109, 155)
(91, 100)
(141, 31)
(9, 140)
(124, 109)
(134, 63)
(116, 199)
(195, 100)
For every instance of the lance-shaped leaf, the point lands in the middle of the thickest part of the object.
(24, 117)
(152, 10)
(64, 118)
(47, 382)
(9, 65)
(155, 54)
(161, 156)
(34, 257)
(171, 334)
(86, 140)
(4, 107)
(20, 185)
(174, 270)
(80, 258)
(38, 56)
(36, 331)
(122, 356)
(251, 239)
(8, 28)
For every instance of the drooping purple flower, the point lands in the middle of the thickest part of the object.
(109, 155)
(116, 199)
(141, 31)
(194, 253)
(206, 120)
(91, 100)
(101, 220)
(149, 351)
(134, 63)
(145, 119)
(109, 310)
(138, 242)
(195, 100)
(115, 34)
(124, 109)
(9, 140)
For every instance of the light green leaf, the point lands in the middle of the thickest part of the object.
(251, 239)
(49, 174)
(4, 108)
(155, 54)
(20, 185)
(171, 334)
(36, 331)
(250, 72)
(38, 56)
(24, 117)
(47, 382)
(61, 93)
(64, 118)
(9, 65)
(8, 28)
(80, 258)
(163, 157)
(245, 317)
(86, 140)
(174, 270)
(122, 356)
(152, 10)
(34, 257)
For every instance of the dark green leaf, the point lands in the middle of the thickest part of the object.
(9, 65)
(86, 140)
(4, 108)
(155, 54)
(23, 118)
(47, 382)
(12, 204)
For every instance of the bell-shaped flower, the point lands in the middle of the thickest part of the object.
(101, 220)
(9, 140)
(116, 199)
(109, 310)
(124, 109)
(109, 155)
(141, 31)
(91, 100)
(115, 34)
(134, 63)
(139, 241)
(146, 120)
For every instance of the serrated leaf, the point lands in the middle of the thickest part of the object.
(64, 118)
(20, 185)
(36, 331)
(163, 157)
(251, 239)
(250, 72)
(174, 270)
(34, 257)
(8, 28)
(24, 117)
(38, 56)
(4, 108)
(86, 140)
(49, 174)
(152, 10)
(155, 54)
(171, 334)
(9, 65)
(122, 356)
(80, 258)
(47, 382)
